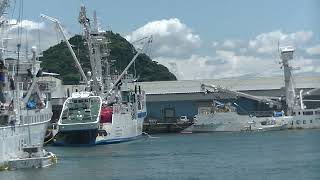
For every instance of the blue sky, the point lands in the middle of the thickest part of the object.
(214, 35)
(214, 20)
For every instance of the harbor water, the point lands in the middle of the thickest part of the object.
(243, 155)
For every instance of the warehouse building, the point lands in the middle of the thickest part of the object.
(167, 101)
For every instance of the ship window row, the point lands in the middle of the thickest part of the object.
(298, 122)
(35, 119)
(307, 112)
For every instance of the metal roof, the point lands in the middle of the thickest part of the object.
(238, 84)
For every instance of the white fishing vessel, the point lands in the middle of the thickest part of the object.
(107, 111)
(226, 118)
(303, 118)
(210, 119)
(25, 108)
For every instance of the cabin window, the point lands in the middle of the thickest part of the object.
(317, 112)
(308, 113)
(299, 113)
(294, 113)
(310, 121)
(68, 92)
(298, 122)
(304, 121)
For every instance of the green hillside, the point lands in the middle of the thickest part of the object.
(58, 59)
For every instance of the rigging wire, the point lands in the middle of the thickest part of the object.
(20, 16)
(150, 48)
(13, 9)
(39, 37)
(57, 34)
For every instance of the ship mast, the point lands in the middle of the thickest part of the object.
(286, 54)
(3, 5)
(95, 43)
(100, 79)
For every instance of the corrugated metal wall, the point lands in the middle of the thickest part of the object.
(156, 110)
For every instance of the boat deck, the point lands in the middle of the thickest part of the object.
(81, 112)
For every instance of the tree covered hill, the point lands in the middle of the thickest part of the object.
(58, 59)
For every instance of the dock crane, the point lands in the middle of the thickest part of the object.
(216, 89)
(58, 25)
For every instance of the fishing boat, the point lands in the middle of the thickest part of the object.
(303, 117)
(107, 111)
(224, 117)
(25, 108)
(294, 115)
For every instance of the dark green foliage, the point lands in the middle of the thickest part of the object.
(58, 59)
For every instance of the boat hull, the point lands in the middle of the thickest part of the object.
(14, 138)
(117, 140)
(76, 137)
(122, 129)
(232, 122)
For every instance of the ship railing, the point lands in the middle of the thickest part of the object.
(23, 66)
(257, 113)
(37, 118)
(120, 109)
(125, 77)
(79, 119)
(47, 86)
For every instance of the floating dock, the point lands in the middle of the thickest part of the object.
(37, 158)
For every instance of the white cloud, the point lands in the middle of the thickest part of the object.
(193, 67)
(31, 33)
(231, 44)
(225, 65)
(170, 37)
(256, 57)
(27, 25)
(315, 50)
(267, 43)
(215, 44)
